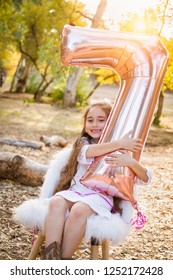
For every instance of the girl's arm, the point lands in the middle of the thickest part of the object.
(139, 170)
(126, 142)
(124, 159)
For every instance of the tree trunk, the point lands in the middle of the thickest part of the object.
(21, 169)
(14, 76)
(20, 77)
(99, 13)
(21, 143)
(159, 109)
(43, 84)
(69, 98)
(156, 120)
(54, 140)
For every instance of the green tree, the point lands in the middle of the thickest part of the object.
(38, 25)
(8, 31)
(155, 22)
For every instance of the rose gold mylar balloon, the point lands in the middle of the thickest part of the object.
(141, 62)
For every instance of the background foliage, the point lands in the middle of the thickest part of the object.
(30, 36)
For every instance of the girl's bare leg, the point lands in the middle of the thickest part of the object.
(75, 227)
(55, 219)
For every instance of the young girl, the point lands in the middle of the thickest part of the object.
(72, 205)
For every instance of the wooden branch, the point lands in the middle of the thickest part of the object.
(84, 15)
(97, 85)
(28, 55)
(163, 17)
(33, 61)
(21, 169)
(21, 143)
(54, 140)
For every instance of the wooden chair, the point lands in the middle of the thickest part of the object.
(94, 248)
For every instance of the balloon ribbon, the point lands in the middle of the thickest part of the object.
(139, 221)
(34, 235)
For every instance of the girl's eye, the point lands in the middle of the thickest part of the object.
(99, 120)
(102, 120)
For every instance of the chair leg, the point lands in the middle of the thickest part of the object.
(35, 248)
(94, 249)
(105, 250)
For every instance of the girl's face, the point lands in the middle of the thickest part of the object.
(95, 122)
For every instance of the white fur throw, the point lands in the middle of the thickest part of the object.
(32, 212)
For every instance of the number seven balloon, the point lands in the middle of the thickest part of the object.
(141, 62)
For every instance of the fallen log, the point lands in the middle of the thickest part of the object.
(54, 140)
(21, 143)
(21, 169)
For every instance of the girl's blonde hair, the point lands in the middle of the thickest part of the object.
(69, 171)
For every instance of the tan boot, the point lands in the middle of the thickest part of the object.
(53, 251)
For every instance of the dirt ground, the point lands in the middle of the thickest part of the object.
(22, 120)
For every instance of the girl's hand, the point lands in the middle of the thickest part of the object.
(124, 159)
(131, 144)
(120, 160)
